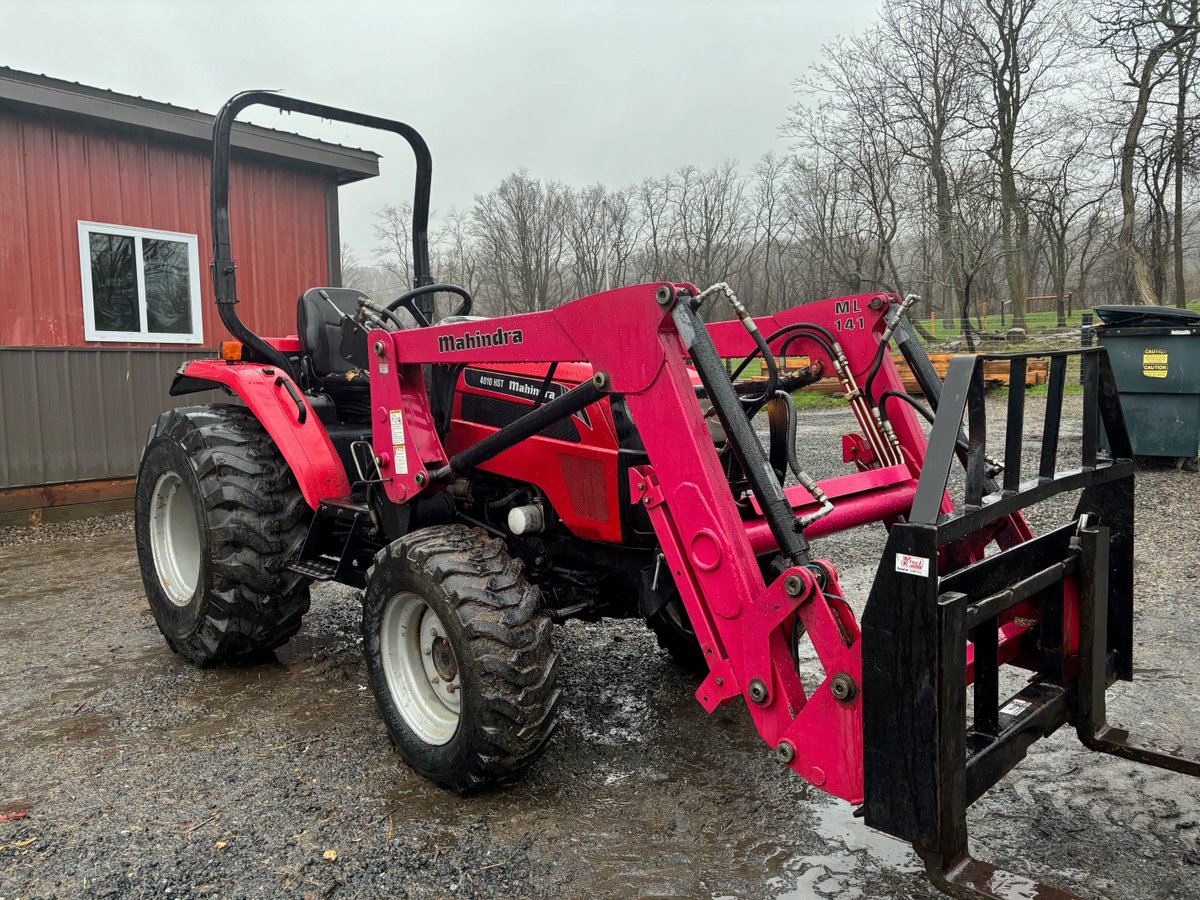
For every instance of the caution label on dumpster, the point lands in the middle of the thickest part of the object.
(1154, 363)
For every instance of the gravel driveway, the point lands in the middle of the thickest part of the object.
(142, 776)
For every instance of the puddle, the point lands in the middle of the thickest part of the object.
(856, 855)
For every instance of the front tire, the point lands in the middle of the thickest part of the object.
(459, 657)
(675, 634)
(217, 517)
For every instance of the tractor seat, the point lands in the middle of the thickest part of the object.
(319, 327)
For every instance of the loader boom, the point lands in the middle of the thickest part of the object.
(483, 479)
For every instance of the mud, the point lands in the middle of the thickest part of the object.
(143, 776)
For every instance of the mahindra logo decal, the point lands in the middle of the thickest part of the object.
(448, 343)
(520, 387)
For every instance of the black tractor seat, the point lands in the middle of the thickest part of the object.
(320, 313)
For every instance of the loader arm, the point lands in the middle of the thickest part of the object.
(640, 340)
(886, 724)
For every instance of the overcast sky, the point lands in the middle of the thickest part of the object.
(575, 91)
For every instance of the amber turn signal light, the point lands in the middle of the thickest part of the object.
(230, 350)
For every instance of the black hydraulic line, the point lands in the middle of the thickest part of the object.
(772, 367)
(793, 463)
(817, 337)
(380, 312)
(742, 439)
(912, 401)
(961, 444)
(803, 378)
(876, 365)
(528, 425)
(224, 272)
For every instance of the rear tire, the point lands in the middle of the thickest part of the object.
(459, 657)
(218, 515)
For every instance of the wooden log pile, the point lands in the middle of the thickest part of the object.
(995, 372)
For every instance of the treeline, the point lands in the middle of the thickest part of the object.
(970, 151)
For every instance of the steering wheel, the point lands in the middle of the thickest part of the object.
(407, 301)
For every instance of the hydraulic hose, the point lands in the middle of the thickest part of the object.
(751, 327)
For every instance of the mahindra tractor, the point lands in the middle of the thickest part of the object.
(484, 479)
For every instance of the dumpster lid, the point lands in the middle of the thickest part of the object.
(1135, 316)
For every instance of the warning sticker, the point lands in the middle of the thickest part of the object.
(398, 454)
(1154, 363)
(913, 565)
(1015, 707)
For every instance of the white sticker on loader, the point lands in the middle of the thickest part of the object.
(913, 565)
(399, 456)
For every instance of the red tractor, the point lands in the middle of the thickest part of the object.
(484, 479)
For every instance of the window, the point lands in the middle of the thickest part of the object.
(139, 285)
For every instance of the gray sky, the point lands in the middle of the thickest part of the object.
(575, 91)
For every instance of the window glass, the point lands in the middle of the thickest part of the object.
(168, 286)
(114, 283)
(140, 285)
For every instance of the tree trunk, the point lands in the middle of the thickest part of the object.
(1184, 65)
(965, 313)
(1126, 240)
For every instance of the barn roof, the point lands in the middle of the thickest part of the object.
(28, 91)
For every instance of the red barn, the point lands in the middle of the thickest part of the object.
(104, 250)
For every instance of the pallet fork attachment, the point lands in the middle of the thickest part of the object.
(933, 626)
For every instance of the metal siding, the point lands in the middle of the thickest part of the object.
(14, 237)
(104, 402)
(55, 173)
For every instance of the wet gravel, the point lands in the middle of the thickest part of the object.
(142, 776)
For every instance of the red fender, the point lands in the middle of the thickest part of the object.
(284, 412)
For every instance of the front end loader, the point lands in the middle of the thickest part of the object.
(482, 479)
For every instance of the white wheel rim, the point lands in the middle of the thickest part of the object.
(174, 538)
(420, 668)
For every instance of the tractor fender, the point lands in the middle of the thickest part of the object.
(284, 412)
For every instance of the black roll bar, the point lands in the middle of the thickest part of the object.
(224, 272)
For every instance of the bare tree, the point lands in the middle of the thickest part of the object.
(712, 223)
(977, 236)
(852, 126)
(521, 229)
(1181, 149)
(934, 88)
(1019, 46)
(393, 230)
(1142, 36)
(771, 222)
(1068, 188)
(457, 256)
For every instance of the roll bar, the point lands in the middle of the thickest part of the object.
(224, 271)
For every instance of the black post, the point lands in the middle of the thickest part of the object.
(745, 443)
(528, 425)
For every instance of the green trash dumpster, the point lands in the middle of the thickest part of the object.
(1155, 356)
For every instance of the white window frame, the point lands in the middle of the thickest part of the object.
(90, 332)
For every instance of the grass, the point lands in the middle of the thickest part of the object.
(1034, 322)
(816, 400)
